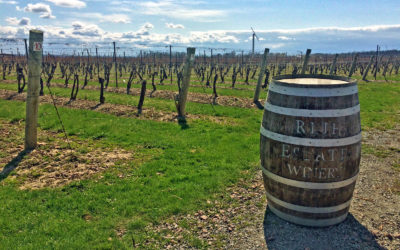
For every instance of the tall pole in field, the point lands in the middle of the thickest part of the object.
(97, 62)
(32, 99)
(26, 49)
(212, 58)
(260, 76)
(170, 61)
(376, 61)
(115, 66)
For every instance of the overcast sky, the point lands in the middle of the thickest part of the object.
(281, 25)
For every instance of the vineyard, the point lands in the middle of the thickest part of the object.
(122, 161)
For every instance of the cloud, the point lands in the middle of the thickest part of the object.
(40, 8)
(68, 3)
(285, 38)
(212, 37)
(180, 10)
(324, 39)
(143, 31)
(86, 30)
(174, 26)
(7, 2)
(15, 21)
(99, 17)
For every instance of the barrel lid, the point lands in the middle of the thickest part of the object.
(314, 81)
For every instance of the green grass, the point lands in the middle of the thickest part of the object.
(188, 167)
(52, 217)
(380, 104)
(159, 104)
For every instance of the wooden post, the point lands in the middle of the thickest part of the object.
(97, 63)
(353, 65)
(306, 58)
(115, 65)
(170, 62)
(182, 97)
(32, 99)
(260, 76)
(26, 49)
(371, 60)
(386, 66)
(142, 95)
(212, 63)
(333, 65)
(376, 62)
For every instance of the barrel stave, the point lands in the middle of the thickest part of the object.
(310, 148)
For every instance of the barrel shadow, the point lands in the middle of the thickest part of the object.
(350, 234)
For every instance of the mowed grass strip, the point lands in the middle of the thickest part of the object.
(158, 103)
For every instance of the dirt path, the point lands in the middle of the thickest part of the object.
(241, 221)
(53, 163)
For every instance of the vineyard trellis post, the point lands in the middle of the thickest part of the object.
(26, 49)
(182, 96)
(97, 63)
(333, 66)
(376, 60)
(353, 65)
(115, 65)
(260, 76)
(371, 61)
(170, 62)
(306, 59)
(32, 99)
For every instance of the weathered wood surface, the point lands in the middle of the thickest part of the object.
(310, 148)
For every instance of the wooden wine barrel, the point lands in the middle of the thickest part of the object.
(310, 147)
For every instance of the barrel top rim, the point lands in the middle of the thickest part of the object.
(345, 81)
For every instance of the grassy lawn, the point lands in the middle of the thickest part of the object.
(187, 167)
